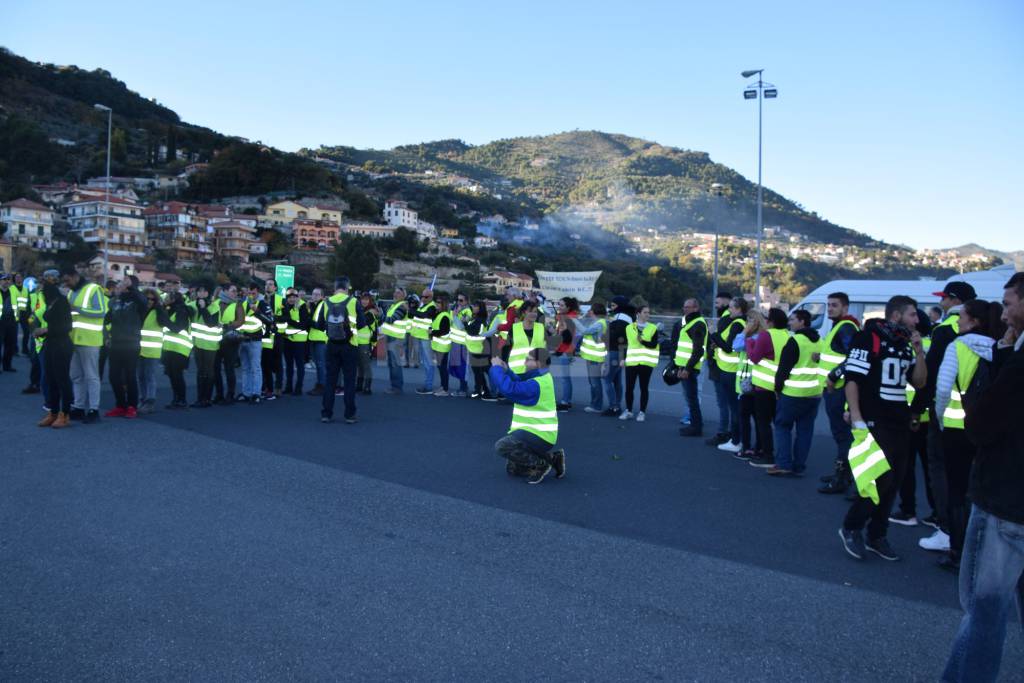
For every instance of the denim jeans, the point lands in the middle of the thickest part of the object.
(991, 576)
(427, 361)
(560, 369)
(728, 405)
(85, 377)
(691, 390)
(395, 364)
(251, 354)
(835, 406)
(148, 368)
(318, 350)
(799, 412)
(613, 380)
(595, 375)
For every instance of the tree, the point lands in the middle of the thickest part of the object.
(172, 143)
(355, 257)
(119, 146)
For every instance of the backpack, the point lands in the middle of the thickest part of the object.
(979, 383)
(338, 327)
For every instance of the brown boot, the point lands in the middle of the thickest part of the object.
(48, 420)
(61, 421)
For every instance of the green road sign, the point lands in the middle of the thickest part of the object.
(285, 276)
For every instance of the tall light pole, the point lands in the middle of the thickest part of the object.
(718, 190)
(759, 91)
(106, 203)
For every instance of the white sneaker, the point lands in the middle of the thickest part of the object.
(938, 541)
(640, 416)
(626, 415)
(440, 392)
(730, 447)
(588, 409)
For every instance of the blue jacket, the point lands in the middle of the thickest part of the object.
(518, 388)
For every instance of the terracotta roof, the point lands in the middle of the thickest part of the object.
(167, 207)
(101, 200)
(23, 203)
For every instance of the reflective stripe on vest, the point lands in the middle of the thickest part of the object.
(444, 343)
(397, 329)
(419, 326)
(317, 335)
(540, 419)
(867, 463)
(177, 342)
(728, 361)
(804, 381)
(829, 359)
(593, 347)
(967, 364)
(685, 347)
(152, 341)
(294, 332)
(637, 353)
(87, 331)
(912, 392)
(522, 345)
(763, 372)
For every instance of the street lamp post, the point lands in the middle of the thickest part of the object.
(718, 190)
(106, 203)
(759, 91)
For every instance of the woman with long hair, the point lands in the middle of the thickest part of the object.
(477, 344)
(641, 359)
(764, 353)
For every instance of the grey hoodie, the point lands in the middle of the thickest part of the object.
(946, 380)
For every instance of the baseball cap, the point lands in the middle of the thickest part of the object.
(958, 289)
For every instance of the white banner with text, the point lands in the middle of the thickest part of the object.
(577, 284)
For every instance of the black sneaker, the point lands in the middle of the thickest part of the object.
(255, 400)
(881, 547)
(762, 461)
(558, 462)
(931, 521)
(563, 407)
(610, 412)
(76, 414)
(489, 398)
(91, 417)
(425, 392)
(689, 431)
(743, 455)
(949, 564)
(719, 438)
(903, 518)
(834, 486)
(325, 419)
(853, 543)
(537, 476)
(351, 420)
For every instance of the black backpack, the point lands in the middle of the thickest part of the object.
(338, 327)
(979, 383)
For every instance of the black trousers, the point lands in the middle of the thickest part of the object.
(341, 358)
(633, 373)
(908, 489)
(958, 452)
(205, 366)
(175, 365)
(295, 365)
(480, 362)
(26, 336)
(746, 420)
(57, 357)
(8, 341)
(224, 364)
(764, 417)
(894, 440)
(123, 376)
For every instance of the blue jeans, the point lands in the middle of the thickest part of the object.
(147, 378)
(563, 380)
(728, 405)
(395, 364)
(613, 380)
(318, 350)
(595, 375)
(835, 406)
(250, 353)
(801, 413)
(691, 390)
(427, 361)
(991, 576)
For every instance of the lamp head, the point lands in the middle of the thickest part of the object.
(751, 72)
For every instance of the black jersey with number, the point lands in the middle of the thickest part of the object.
(880, 364)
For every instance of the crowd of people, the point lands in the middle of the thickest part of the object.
(939, 388)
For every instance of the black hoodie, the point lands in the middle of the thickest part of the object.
(790, 355)
(126, 315)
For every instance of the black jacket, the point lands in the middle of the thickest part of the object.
(942, 336)
(125, 315)
(789, 357)
(58, 321)
(993, 423)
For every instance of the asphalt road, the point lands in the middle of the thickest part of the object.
(253, 542)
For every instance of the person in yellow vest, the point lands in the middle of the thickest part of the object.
(478, 347)
(642, 354)
(727, 361)
(980, 327)
(907, 513)
(689, 340)
(37, 375)
(55, 329)
(272, 359)
(206, 337)
(151, 344)
(420, 325)
(9, 307)
(462, 313)
(764, 351)
(344, 317)
(24, 311)
(395, 328)
(125, 317)
(593, 348)
(232, 317)
(528, 446)
(440, 341)
(296, 336)
(834, 349)
(88, 309)
(259, 322)
(798, 390)
(367, 338)
(525, 334)
(174, 316)
(317, 339)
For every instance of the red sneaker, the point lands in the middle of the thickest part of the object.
(115, 412)
(131, 413)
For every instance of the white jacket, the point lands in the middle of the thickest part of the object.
(950, 366)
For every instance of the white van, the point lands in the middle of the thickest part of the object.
(868, 297)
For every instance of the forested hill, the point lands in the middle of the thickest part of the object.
(632, 181)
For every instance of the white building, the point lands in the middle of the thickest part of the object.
(484, 242)
(26, 222)
(375, 230)
(426, 230)
(117, 224)
(399, 214)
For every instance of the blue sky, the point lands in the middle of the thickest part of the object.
(899, 119)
